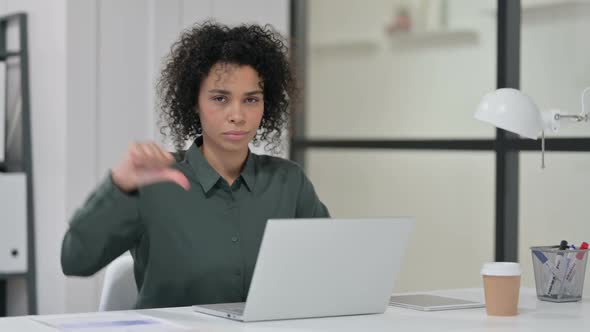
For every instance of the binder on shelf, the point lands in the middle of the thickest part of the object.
(13, 223)
(2, 109)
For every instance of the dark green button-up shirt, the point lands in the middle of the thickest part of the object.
(189, 247)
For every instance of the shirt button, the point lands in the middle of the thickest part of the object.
(234, 239)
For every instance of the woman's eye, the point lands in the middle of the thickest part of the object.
(251, 100)
(220, 99)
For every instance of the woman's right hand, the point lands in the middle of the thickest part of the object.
(146, 163)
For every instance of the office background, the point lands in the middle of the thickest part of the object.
(93, 65)
(389, 127)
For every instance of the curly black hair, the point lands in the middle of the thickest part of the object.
(204, 45)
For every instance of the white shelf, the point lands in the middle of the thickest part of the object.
(553, 4)
(540, 6)
(345, 45)
(434, 38)
(401, 39)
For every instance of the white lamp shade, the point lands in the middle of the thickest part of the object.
(511, 110)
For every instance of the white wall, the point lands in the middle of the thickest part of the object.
(47, 61)
(450, 194)
(431, 91)
(93, 69)
(553, 204)
(82, 132)
(555, 59)
(399, 87)
(365, 84)
(555, 68)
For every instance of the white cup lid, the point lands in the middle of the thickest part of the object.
(501, 269)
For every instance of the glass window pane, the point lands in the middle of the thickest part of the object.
(366, 82)
(451, 195)
(555, 65)
(553, 204)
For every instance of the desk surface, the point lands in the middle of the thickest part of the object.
(534, 315)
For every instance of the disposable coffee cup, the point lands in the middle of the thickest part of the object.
(501, 284)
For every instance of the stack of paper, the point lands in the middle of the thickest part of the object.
(115, 322)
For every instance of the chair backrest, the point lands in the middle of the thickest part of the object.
(119, 291)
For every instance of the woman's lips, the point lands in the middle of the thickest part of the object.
(235, 135)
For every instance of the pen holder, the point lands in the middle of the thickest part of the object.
(559, 274)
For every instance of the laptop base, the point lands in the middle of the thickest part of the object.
(226, 310)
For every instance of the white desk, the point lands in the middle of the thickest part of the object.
(534, 316)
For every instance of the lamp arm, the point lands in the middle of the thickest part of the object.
(578, 118)
(551, 122)
(556, 116)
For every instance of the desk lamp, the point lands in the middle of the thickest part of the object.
(512, 110)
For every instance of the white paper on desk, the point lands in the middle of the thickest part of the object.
(116, 322)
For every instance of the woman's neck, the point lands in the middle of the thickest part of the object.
(227, 164)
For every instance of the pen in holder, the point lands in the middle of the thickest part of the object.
(559, 274)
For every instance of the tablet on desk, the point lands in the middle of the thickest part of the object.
(427, 302)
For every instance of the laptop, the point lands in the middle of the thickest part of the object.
(320, 268)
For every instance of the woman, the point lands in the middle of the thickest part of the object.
(194, 225)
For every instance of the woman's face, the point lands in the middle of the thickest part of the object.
(230, 106)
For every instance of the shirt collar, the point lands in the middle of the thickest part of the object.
(208, 176)
(249, 171)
